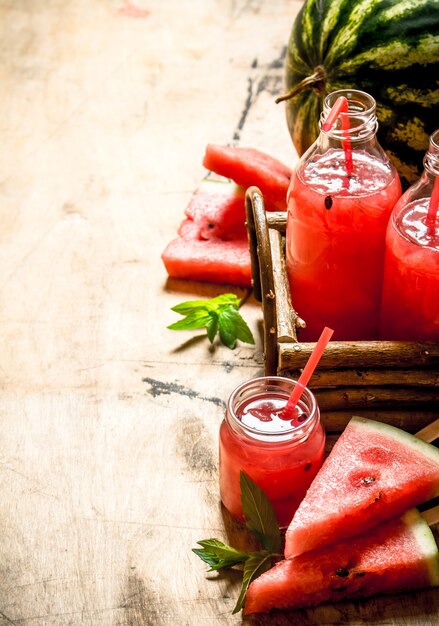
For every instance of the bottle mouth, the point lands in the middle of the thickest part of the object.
(431, 159)
(361, 113)
(264, 386)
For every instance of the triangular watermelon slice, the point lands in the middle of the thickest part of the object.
(249, 166)
(395, 556)
(212, 244)
(373, 473)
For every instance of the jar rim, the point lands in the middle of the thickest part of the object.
(280, 382)
(353, 96)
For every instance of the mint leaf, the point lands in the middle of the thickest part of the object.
(240, 328)
(256, 564)
(196, 319)
(187, 307)
(217, 315)
(227, 327)
(218, 554)
(259, 513)
(226, 298)
(212, 325)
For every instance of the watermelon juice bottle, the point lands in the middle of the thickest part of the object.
(339, 202)
(410, 305)
(281, 456)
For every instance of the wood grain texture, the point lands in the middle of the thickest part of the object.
(109, 422)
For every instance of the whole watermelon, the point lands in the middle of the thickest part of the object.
(388, 48)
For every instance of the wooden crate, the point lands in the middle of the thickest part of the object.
(392, 381)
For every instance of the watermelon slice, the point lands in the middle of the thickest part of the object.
(374, 472)
(395, 556)
(212, 244)
(249, 166)
(216, 211)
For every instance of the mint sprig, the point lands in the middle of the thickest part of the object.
(218, 554)
(261, 522)
(218, 315)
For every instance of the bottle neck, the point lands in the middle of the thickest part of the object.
(431, 159)
(358, 124)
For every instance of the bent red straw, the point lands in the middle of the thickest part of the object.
(341, 108)
(307, 372)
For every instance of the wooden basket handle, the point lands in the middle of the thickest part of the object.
(262, 273)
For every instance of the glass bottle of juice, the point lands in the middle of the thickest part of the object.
(339, 202)
(282, 456)
(410, 305)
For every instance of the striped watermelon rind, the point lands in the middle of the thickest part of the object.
(397, 434)
(426, 542)
(388, 48)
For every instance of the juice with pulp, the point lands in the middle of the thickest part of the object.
(281, 456)
(335, 242)
(410, 306)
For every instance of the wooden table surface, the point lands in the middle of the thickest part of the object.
(109, 421)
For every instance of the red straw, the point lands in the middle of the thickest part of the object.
(433, 206)
(307, 372)
(341, 106)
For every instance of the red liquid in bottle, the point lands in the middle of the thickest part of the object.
(410, 306)
(335, 243)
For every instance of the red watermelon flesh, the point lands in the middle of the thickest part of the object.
(373, 473)
(216, 211)
(212, 245)
(211, 261)
(249, 166)
(395, 556)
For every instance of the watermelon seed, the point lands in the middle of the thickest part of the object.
(342, 571)
(360, 573)
(307, 467)
(328, 202)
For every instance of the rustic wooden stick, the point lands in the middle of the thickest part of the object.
(325, 378)
(377, 397)
(277, 220)
(262, 262)
(410, 419)
(431, 516)
(430, 432)
(253, 245)
(349, 354)
(286, 316)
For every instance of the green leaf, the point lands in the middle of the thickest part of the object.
(218, 315)
(187, 307)
(212, 325)
(241, 330)
(218, 554)
(196, 319)
(226, 329)
(225, 298)
(259, 513)
(256, 564)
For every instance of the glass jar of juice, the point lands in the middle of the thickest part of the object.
(410, 305)
(280, 455)
(339, 202)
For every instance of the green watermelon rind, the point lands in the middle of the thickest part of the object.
(387, 48)
(392, 432)
(425, 541)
